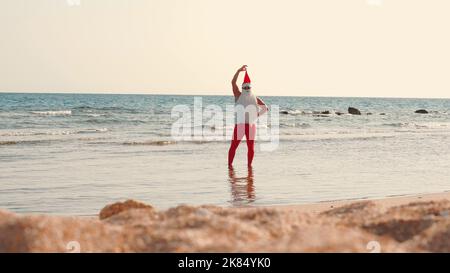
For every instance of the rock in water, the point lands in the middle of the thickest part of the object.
(354, 111)
(421, 111)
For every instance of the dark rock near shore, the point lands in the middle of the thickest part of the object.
(421, 111)
(284, 112)
(354, 111)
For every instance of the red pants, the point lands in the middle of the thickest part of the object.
(250, 132)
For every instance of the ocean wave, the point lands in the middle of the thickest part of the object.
(53, 113)
(324, 113)
(53, 132)
(27, 142)
(224, 127)
(95, 115)
(92, 138)
(98, 120)
(150, 143)
(295, 125)
(413, 125)
(335, 137)
(99, 108)
(396, 124)
(171, 142)
(8, 143)
(105, 108)
(92, 130)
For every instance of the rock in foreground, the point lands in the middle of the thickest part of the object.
(136, 227)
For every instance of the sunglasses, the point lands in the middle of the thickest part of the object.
(246, 88)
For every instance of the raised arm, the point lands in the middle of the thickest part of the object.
(236, 91)
(263, 105)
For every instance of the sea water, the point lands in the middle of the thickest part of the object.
(75, 153)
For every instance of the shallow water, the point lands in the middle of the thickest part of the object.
(75, 153)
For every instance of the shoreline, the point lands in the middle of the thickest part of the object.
(413, 223)
(385, 202)
(314, 207)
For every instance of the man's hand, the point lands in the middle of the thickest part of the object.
(243, 68)
(236, 91)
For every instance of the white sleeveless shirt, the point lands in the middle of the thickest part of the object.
(246, 108)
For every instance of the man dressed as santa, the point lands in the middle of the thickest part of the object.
(248, 109)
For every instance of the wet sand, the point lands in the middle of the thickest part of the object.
(417, 223)
(317, 208)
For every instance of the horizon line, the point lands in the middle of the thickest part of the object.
(175, 94)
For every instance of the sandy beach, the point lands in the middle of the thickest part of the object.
(418, 223)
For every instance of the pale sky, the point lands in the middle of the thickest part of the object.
(364, 48)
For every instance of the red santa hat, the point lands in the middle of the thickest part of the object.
(247, 81)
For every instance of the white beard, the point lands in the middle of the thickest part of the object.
(247, 102)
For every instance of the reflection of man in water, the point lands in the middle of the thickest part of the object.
(242, 188)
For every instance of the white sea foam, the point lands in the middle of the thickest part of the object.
(53, 113)
(150, 142)
(419, 125)
(17, 133)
